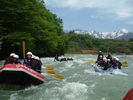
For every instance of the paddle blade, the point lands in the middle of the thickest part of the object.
(91, 60)
(51, 72)
(100, 67)
(58, 76)
(49, 68)
(125, 64)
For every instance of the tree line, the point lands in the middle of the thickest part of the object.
(32, 22)
(78, 42)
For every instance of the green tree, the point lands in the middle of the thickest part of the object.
(30, 21)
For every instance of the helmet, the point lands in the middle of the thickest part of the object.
(37, 58)
(108, 59)
(29, 53)
(101, 56)
(33, 56)
(117, 59)
(100, 51)
(11, 55)
(104, 59)
(15, 56)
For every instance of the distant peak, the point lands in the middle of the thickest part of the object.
(124, 30)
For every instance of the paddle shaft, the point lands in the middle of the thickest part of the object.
(23, 48)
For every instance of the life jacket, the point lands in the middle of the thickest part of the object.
(114, 64)
(33, 64)
(8, 58)
(119, 64)
(29, 62)
(103, 64)
(10, 62)
(38, 64)
(109, 65)
(19, 61)
(100, 62)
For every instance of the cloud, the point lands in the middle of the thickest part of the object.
(121, 9)
(93, 16)
(130, 22)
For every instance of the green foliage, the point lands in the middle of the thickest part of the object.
(130, 40)
(30, 21)
(78, 42)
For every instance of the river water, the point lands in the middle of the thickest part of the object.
(81, 82)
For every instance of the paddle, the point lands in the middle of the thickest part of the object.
(58, 76)
(23, 48)
(50, 70)
(125, 64)
(91, 60)
(100, 67)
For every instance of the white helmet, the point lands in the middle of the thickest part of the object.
(117, 59)
(104, 59)
(100, 51)
(29, 53)
(11, 55)
(101, 56)
(33, 56)
(15, 56)
(37, 58)
(108, 59)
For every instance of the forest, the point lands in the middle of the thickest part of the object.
(42, 31)
(78, 42)
(30, 21)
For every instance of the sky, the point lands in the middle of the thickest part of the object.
(90, 15)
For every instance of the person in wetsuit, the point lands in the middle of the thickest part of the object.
(13, 60)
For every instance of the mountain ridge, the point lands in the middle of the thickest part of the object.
(118, 34)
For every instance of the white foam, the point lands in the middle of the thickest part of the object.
(69, 65)
(92, 72)
(13, 96)
(31, 88)
(91, 87)
(74, 91)
(80, 61)
(104, 98)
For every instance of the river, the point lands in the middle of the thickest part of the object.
(81, 82)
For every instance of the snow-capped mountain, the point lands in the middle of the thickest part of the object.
(108, 35)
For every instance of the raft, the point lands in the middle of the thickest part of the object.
(97, 69)
(56, 60)
(18, 74)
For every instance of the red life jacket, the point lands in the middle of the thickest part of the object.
(8, 58)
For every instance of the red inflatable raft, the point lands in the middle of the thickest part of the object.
(19, 74)
(129, 95)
